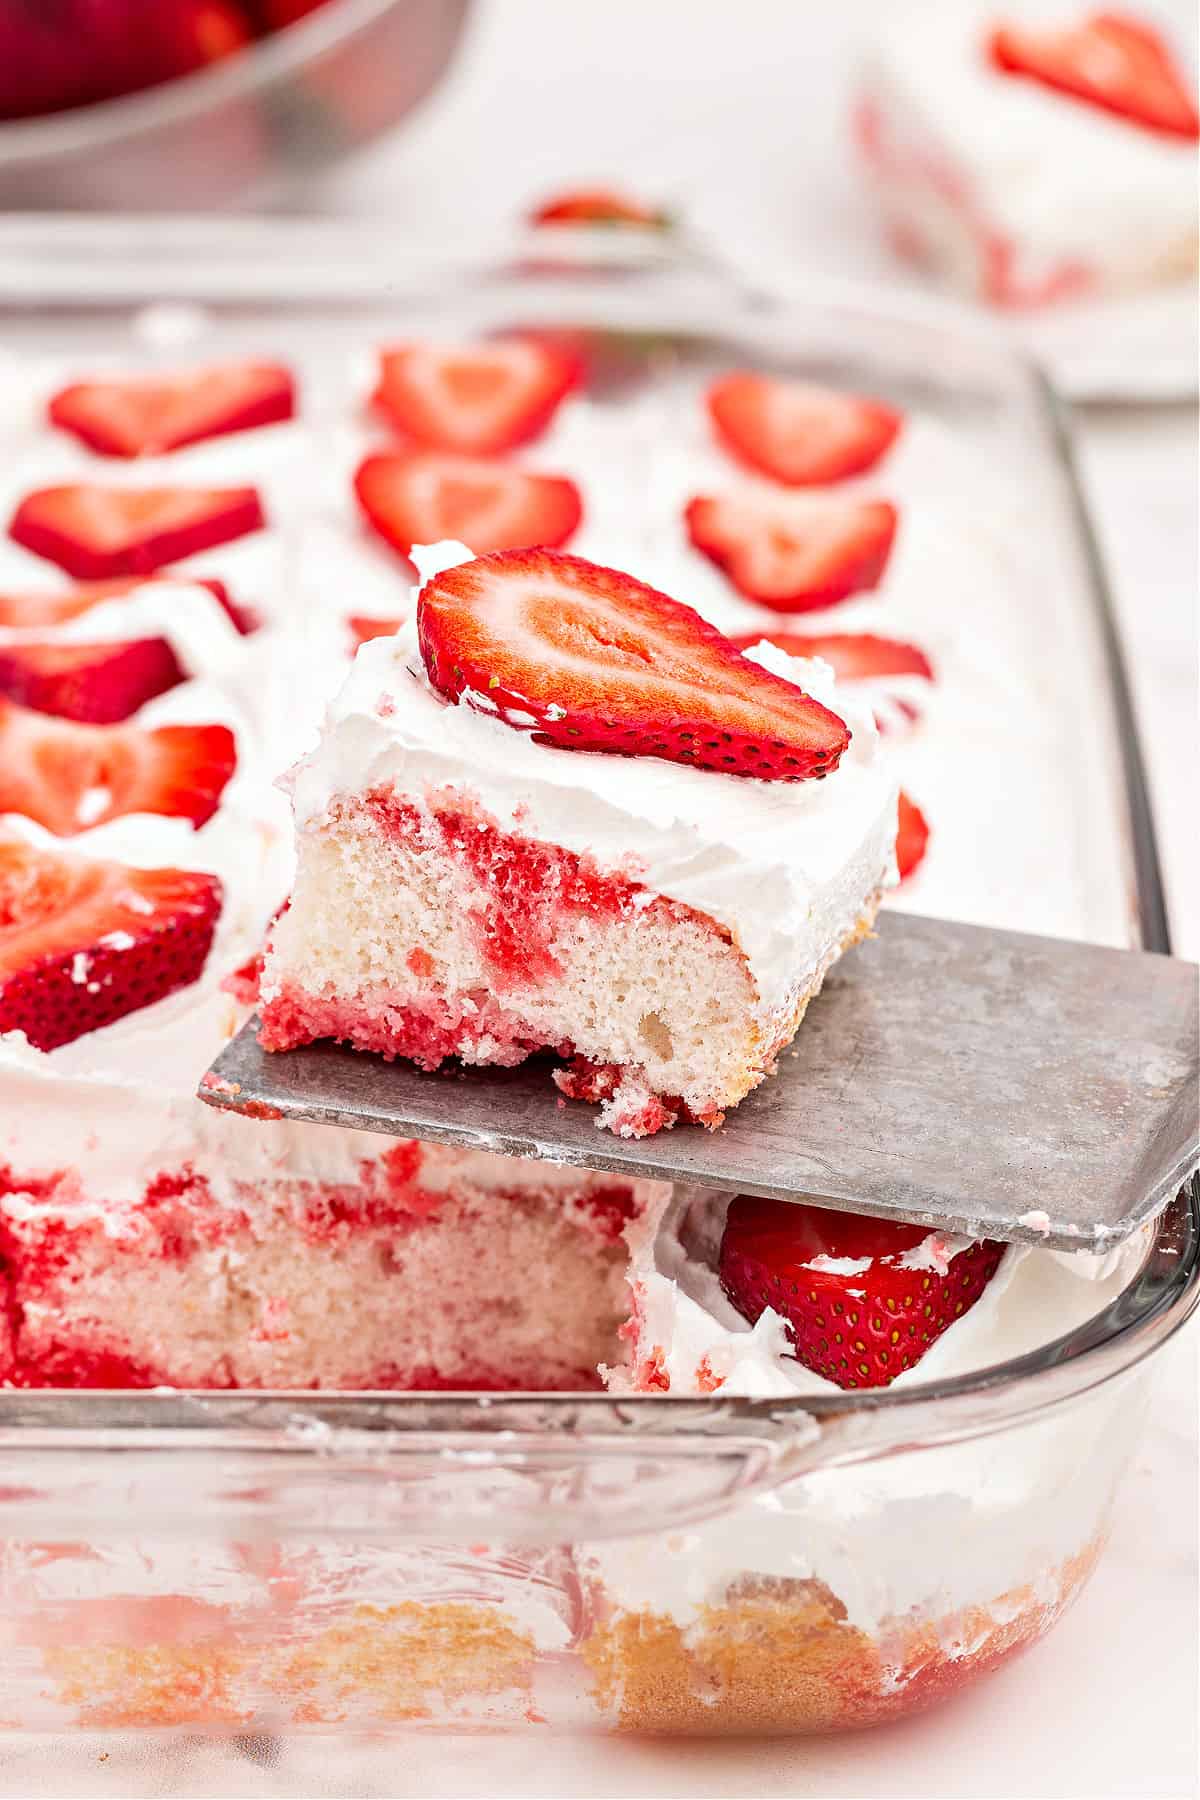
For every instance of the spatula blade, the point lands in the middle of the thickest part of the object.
(980, 1081)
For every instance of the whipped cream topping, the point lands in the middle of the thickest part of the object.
(1065, 179)
(783, 865)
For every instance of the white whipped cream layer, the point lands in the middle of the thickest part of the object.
(1064, 179)
(784, 866)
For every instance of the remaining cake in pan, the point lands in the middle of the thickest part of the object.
(565, 814)
(1031, 153)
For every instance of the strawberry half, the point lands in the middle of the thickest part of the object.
(858, 656)
(798, 433)
(95, 532)
(590, 659)
(146, 417)
(912, 836)
(422, 496)
(792, 554)
(858, 1328)
(70, 777)
(481, 399)
(35, 611)
(83, 943)
(599, 206)
(1112, 62)
(97, 684)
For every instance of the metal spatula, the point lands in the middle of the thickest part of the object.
(978, 1081)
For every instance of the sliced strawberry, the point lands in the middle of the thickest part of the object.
(859, 656)
(794, 554)
(853, 656)
(206, 31)
(858, 1327)
(148, 416)
(912, 836)
(277, 14)
(1113, 62)
(798, 433)
(478, 398)
(97, 684)
(70, 777)
(83, 943)
(599, 206)
(591, 659)
(363, 629)
(97, 532)
(422, 496)
(35, 611)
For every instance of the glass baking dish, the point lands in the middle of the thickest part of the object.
(287, 1561)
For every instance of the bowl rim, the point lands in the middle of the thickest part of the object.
(79, 129)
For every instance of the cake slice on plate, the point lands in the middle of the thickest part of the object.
(561, 812)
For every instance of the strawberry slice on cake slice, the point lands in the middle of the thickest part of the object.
(149, 416)
(796, 432)
(97, 683)
(479, 399)
(792, 553)
(1107, 60)
(85, 942)
(96, 533)
(424, 496)
(559, 811)
(69, 778)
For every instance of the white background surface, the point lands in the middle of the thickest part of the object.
(732, 113)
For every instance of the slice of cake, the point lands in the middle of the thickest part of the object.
(1031, 153)
(564, 813)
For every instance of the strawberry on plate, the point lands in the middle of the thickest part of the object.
(147, 416)
(796, 432)
(859, 1327)
(794, 553)
(860, 656)
(84, 942)
(422, 496)
(1110, 61)
(95, 533)
(97, 684)
(70, 777)
(481, 399)
(599, 206)
(912, 836)
(37, 610)
(590, 659)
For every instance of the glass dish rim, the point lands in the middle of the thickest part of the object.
(1105, 1346)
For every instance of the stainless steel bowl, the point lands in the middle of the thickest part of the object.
(244, 131)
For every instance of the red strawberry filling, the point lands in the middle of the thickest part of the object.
(862, 1324)
(84, 943)
(798, 433)
(480, 399)
(790, 556)
(96, 533)
(72, 777)
(420, 497)
(590, 659)
(97, 684)
(138, 417)
(1110, 61)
